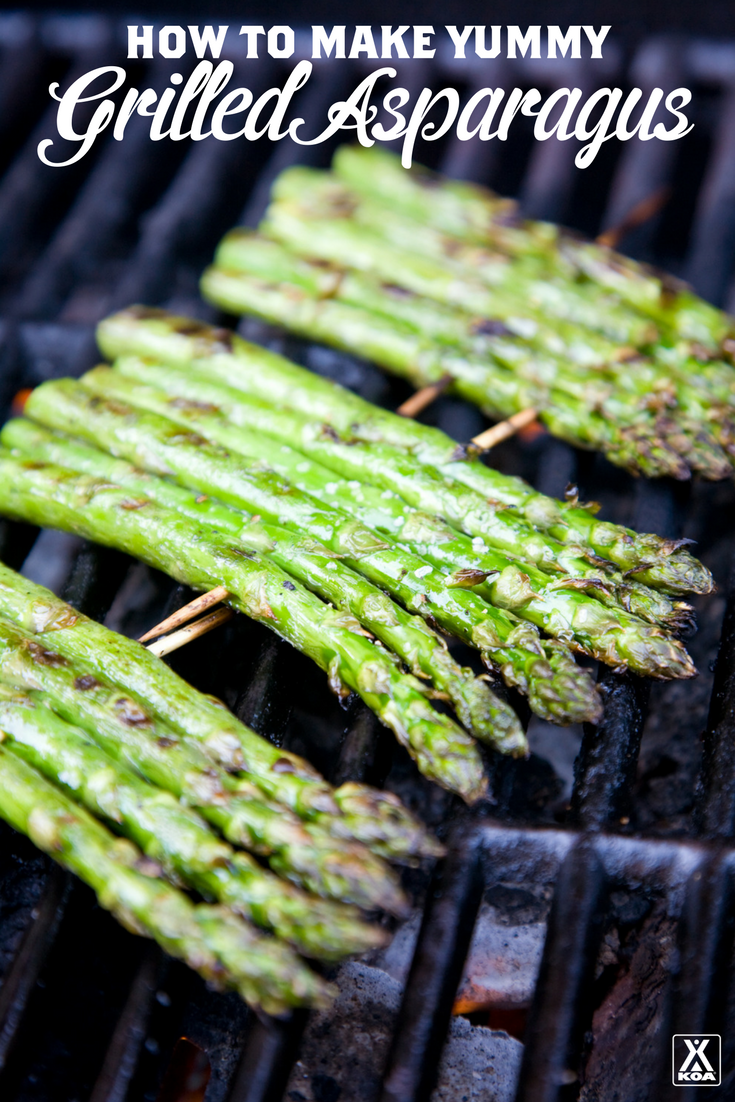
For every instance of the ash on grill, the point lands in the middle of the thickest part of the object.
(600, 869)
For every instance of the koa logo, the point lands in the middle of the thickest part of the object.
(696, 1059)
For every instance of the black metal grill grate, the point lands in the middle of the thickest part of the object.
(87, 1012)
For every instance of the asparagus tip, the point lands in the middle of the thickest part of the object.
(380, 820)
(489, 718)
(563, 693)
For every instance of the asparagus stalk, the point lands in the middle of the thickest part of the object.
(472, 214)
(224, 950)
(376, 237)
(498, 390)
(423, 651)
(157, 444)
(174, 836)
(174, 396)
(367, 814)
(244, 250)
(693, 402)
(614, 636)
(304, 853)
(314, 214)
(211, 401)
(263, 374)
(198, 556)
(580, 368)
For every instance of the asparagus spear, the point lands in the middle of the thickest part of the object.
(367, 814)
(260, 373)
(304, 853)
(210, 401)
(155, 443)
(423, 651)
(210, 405)
(473, 214)
(311, 205)
(615, 637)
(623, 393)
(498, 390)
(314, 214)
(244, 250)
(198, 556)
(224, 950)
(175, 837)
(696, 400)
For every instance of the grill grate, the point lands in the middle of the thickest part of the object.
(86, 1012)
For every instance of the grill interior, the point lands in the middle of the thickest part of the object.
(615, 840)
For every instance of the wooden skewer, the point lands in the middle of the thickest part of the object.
(19, 401)
(192, 631)
(490, 437)
(635, 217)
(424, 397)
(188, 612)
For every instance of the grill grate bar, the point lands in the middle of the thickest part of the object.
(645, 167)
(453, 900)
(713, 233)
(327, 84)
(104, 205)
(696, 881)
(563, 1001)
(187, 209)
(121, 1058)
(716, 809)
(267, 1059)
(699, 994)
(29, 188)
(365, 756)
(18, 985)
(550, 176)
(605, 770)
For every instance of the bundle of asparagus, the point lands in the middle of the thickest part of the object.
(227, 465)
(200, 556)
(434, 279)
(100, 736)
(225, 950)
(477, 216)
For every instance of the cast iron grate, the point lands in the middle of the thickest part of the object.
(88, 1012)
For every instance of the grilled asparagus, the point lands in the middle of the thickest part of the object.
(423, 651)
(302, 852)
(211, 940)
(174, 836)
(615, 637)
(202, 558)
(263, 374)
(566, 691)
(355, 811)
